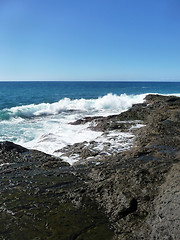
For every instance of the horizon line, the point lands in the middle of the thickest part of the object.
(92, 80)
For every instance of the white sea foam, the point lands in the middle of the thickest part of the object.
(4, 164)
(108, 104)
(57, 137)
(46, 127)
(102, 146)
(116, 141)
(71, 159)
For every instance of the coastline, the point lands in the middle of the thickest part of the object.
(124, 196)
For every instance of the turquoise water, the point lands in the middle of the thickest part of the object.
(37, 114)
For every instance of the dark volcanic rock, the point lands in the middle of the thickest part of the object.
(9, 146)
(140, 188)
(139, 175)
(37, 199)
(135, 192)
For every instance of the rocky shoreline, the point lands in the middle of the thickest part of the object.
(109, 193)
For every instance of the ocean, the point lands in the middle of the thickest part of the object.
(36, 115)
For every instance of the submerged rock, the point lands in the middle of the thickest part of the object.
(122, 195)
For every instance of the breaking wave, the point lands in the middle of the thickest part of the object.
(108, 104)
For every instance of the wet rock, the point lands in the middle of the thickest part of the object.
(38, 199)
(132, 194)
(9, 146)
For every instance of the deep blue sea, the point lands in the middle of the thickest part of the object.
(23, 93)
(37, 114)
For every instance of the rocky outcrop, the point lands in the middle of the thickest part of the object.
(165, 219)
(36, 199)
(129, 184)
(123, 195)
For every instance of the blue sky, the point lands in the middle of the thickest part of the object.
(90, 40)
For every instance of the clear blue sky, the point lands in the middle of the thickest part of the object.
(89, 40)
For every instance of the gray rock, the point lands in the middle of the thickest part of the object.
(128, 195)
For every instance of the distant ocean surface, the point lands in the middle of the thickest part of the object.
(36, 114)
